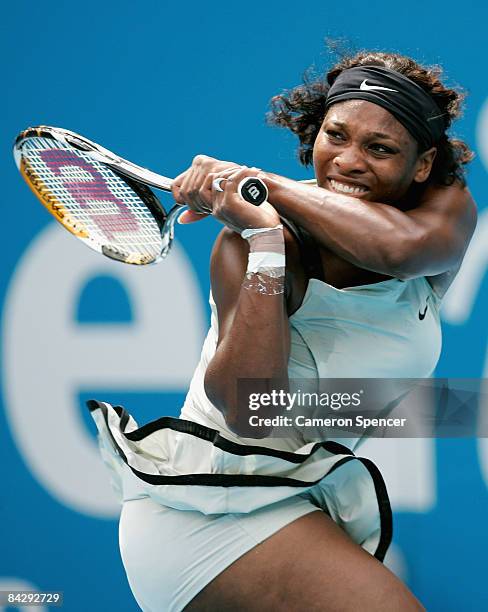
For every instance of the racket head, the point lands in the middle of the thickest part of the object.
(79, 184)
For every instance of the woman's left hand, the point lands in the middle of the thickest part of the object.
(230, 208)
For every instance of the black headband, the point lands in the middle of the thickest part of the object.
(414, 108)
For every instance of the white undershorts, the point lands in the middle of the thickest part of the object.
(170, 555)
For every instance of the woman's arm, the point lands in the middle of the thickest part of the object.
(425, 241)
(253, 340)
(254, 337)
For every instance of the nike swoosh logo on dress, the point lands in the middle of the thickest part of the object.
(422, 314)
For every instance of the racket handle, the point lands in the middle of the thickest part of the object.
(253, 190)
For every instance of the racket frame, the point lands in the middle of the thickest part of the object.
(137, 178)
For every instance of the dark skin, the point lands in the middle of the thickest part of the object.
(379, 230)
(366, 236)
(384, 232)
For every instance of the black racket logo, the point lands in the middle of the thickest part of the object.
(253, 190)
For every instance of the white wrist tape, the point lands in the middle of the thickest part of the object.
(247, 233)
(262, 260)
(265, 272)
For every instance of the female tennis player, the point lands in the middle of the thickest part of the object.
(342, 278)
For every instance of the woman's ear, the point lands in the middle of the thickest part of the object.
(424, 165)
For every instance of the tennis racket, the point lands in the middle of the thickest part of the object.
(102, 199)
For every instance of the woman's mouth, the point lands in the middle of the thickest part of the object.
(347, 188)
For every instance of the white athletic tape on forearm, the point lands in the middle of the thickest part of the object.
(269, 281)
(266, 264)
(267, 243)
(261, 260)
(247, 233)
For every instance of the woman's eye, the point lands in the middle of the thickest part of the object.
(379, 148)
(334, 135)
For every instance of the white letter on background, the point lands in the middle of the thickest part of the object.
(49, 358)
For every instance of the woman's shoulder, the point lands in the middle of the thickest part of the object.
(451, 206)
(454, 199)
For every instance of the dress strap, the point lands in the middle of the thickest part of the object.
(309, 251)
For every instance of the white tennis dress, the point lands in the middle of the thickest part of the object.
(196, 496)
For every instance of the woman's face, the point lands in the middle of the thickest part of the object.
(363, 151)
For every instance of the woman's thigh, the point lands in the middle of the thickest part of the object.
(171, 555)
(310, 564)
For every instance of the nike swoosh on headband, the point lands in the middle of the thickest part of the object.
(365, 87)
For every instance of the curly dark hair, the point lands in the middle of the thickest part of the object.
(302, 110)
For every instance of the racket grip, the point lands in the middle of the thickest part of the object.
(253, 190)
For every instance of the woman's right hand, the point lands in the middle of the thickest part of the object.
(230, 208)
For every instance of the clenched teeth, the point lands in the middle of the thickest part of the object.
(349, 189)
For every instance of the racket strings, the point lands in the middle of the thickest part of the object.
(54, 206)
(91, 201)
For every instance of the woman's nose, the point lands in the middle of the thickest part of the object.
(349, 160)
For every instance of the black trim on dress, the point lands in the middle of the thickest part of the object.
(247, 480)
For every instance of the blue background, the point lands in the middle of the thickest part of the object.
(158, 83)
